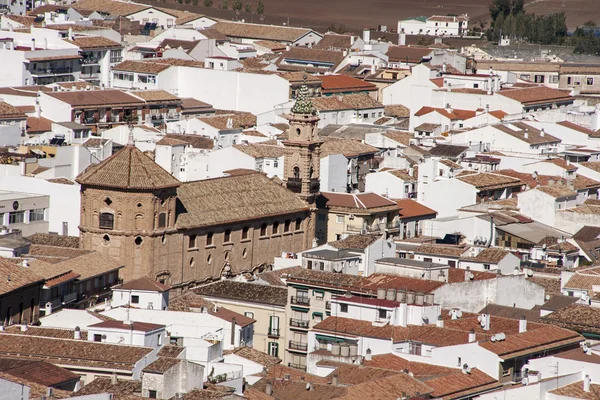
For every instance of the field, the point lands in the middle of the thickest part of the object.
(356, 15)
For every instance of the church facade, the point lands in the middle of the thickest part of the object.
(182, 233)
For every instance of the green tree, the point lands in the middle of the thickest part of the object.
(248, 7)
(195, 2)
(589, 23)
(260, 8)
(225, 5)
(208, 3)
(236, 5)
(337, 28)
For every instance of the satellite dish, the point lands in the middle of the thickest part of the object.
(458, 313)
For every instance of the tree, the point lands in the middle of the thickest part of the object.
(260, 8)
(337, 28)
(195, 2)
(248, 7)
(589, 23)
(236, 5)
(225, 5)
(208, 3)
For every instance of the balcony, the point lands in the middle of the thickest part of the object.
(51, 71)
(303, 301)
(69, 298)
(374, 228)
(315, 185)
(90, 120)
(297, 366)
(90, 61)
(273, 332)
(298, 346)
(294, 184)
(298, 323)
(93, 75)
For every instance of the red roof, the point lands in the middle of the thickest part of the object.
(452, 114)
(344, 83)
(145, 284)
(363, 201)
(69, 276)
(410, 209)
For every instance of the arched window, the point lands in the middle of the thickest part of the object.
(298, 224)
(107, 221)
(296, 173)
(162, 220)
(275, 228)
(227, 236)
(139, 222)
(245, 231)
(263, 230)
(311, 172)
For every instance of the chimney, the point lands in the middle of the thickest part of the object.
(368, 355)
(70, 33)
(485, 321)
(440, 322)
(25, 263)
(522, 325)
(269, 388)
(77, 333)
(472, 336)
(334, 380)
(366, 35)
(113, 378)
(45, 43)
(587, 382)
(32, 44)
(24, 328)
(526, 134)
(50, 392)
(402, 39)
(542, 132)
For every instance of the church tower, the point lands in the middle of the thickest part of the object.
(303, 149)
(128, 210)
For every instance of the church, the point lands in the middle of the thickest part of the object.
(182, 233)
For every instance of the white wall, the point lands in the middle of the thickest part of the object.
(229, 90)
(54, 109)
(148, 300)
(12, 390)
(334, 173)
(446, 196)
(386, 184)
(64, 200)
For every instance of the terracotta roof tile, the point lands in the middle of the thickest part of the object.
(104, 385)
(411, 209)
(250, 353)
(356, 242)
(346, 147)
(443, 250)
(241, 291)
(40, 125)
(487, 181)
(557, 191)
(145, 284)
(408, 54)
(334, 41)
(490, 255)
(93, 42)
(235, 198)
(536, 95)
(257, 31)
(575, 391)
(343, 84)
(161, 365)
(111, 7)
(400, 137)
(155, 66)
(456, 275)
(358, 202)
(397, 110)
(156, 95)
(258, 150)
(568, 124)
(129, 168)
(240, 120)
(15, 276)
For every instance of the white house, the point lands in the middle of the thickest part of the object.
(395, 184)
(130, 333)
(141, 293)
(542, 203)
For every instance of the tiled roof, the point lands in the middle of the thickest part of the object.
(155, 66)
(196, 141)
(111, 7)
(54, 254)
(557, 191)
(40, 372)
(347, 147)
(39, 125)
(593, 165)
(87, 266)
(427, 127)
(219, 201)
(397, 111)
(448, 150)
(526, 133)
(72, 352)
(161, 365)
(54, 240)
(391, 361)
(192, 302)
(410, 209)
(361, 202)
(239, 120)
(145, 284)
(36, 391)
(258, 150)
(456, 275)
(413, 55)
(93, 42)
(343, 84)
(134, 326)
(57, 333)
(241, 291)
(441, 250)
(578, 317)
(334, 41)
(357, 242)
(536, 95)
(270, 44)
(511, 312)
(575, 391)
(307, 54)
(273, 278)
(96, 98)
(452, 114)
(156, 95)
(518, 66)
(128, 169)
(15, 276)
(170, 351)
(120, 391)
(487, 181)
(8, 111)
(257, 31)
(459, 384)
(568, 124)
(400, 137)
(259, 357)
(491, 255)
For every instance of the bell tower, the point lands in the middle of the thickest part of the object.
(302, 155)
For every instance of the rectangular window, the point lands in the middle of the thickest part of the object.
(209, 239)
(452, 263)
(382, 313)
(427, 259)
(152, 394)
(227, 236)
(275, 164)
(36, 215)
(344, 308)
(569, 80)
(16, 217)
(135, 299)
(263, 230)
(274, 349)
(286, 225)
(486, 267)
(107, 221)
(298, 224)
(275, 228)
(192, 242)
(339, 219)
(539, 78)
(309, 264)
(97, 338)
(555, 79)
(274, 326)
(589, 81)
(116, 56)
(245, 231)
